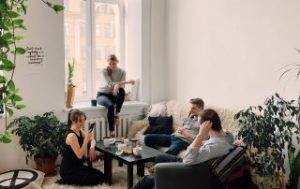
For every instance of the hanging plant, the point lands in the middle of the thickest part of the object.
(11, 12)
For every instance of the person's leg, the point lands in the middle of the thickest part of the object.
(147, 182)
(177, 145)
(94, 176)
(120, 100)
(165, 158)
(108, 103)
(157, 140)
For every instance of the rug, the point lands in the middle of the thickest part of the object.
(119, 179)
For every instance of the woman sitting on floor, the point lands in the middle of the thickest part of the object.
(72, 169)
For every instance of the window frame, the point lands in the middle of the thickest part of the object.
(91, 46)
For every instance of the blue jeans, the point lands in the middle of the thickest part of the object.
(174, 143)
(110, 101)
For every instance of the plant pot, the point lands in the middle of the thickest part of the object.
(271, 182)
(70, 96)
(46, 165)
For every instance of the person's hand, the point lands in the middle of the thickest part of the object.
(88, 136)
(116, 89)
(182, 131)
(132, 82)
(204, 129)
(92, 154)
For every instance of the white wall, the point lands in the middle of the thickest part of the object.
(41, 87)
(158, 65)
(229, 52)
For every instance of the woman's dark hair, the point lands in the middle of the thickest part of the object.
(198, 102)
(212, 116)
(74, 116)
(110, 58)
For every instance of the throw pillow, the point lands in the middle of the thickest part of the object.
(224, 166)
(160, 125)
(133, 90)
(158, 109)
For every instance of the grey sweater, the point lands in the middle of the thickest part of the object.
(107, 82)
(192, 126)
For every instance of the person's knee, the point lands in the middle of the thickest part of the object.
(111, 108)
(121, 91)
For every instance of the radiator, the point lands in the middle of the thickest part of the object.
(102, 129)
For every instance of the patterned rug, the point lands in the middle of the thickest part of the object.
(119, 177)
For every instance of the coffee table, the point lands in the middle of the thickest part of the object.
(147, 155)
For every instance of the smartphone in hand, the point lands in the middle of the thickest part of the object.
(92, 126)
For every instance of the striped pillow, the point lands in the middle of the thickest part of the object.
(224, 166)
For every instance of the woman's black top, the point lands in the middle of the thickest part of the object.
(70, 162)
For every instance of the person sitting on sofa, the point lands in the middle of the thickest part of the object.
(184, 135)
(201, 149)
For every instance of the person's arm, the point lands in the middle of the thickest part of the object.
(194, 152)
(183, 131)
(73, 142)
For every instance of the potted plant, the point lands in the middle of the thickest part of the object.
(41, 137)
(294, 177)
(70, 86)
(267, 131)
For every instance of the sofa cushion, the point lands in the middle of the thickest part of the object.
(224, 166)
(158, 109)
(160, 125)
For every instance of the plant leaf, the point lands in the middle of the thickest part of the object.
(7, 65)
(58, 8)
(20, 50)
(11, 85)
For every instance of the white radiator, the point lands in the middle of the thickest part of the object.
(102, 129)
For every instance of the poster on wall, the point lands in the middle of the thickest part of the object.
(35, 58)
(35, 55)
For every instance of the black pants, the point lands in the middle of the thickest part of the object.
(112, 103)
(85, 176)
(148, 182)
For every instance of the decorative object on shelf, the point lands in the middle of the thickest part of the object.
(70, 85)
(267, 131)
(11, 21)
(41, 137)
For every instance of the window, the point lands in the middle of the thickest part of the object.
(92, 32)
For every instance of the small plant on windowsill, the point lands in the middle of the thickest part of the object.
(70, 85)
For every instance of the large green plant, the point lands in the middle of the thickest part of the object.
(267, 131)
(11, 12)
(40, 136)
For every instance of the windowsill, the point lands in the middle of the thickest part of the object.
(86, 106)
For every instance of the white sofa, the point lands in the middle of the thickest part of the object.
(179, 111)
